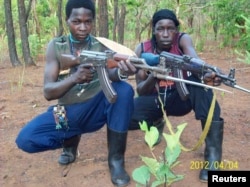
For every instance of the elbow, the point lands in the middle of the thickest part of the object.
(47, 98)
(140, 92)
(47, 95)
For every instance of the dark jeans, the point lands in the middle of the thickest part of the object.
(40, 134)
(148, 108)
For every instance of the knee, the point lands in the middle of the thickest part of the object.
(24, 143)
(124, 89)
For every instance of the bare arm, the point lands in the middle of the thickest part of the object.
(186, 44)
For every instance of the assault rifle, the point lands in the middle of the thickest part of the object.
(160, 65)
(177, 63)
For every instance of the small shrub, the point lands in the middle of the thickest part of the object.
(158, 171)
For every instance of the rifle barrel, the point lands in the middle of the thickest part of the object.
(242, 89)
(166, 77)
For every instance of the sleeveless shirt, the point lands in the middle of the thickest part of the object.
(175, 49)
(79, 92)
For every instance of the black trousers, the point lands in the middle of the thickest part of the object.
(148, 108)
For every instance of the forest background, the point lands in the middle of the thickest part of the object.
(221, 33)
(28, 25)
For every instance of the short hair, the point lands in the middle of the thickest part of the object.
(88, 4)
(165, 14)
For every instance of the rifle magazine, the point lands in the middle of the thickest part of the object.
(107, 88)
(181, 86)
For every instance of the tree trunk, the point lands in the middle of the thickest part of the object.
(35, 17)
(24, 34)
(27, 12)
(116, 19)
(94, 23)
(103, 18)
(59, 16)
(121, 24)
(137, 26)
(11, 34)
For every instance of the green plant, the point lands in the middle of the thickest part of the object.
(17, 81)
(244, 41)
(244, 26)
(162, 168)
(245, 58)
(35, 45)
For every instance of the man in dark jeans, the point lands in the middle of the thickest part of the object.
(167, 37)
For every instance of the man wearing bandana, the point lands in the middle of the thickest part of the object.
(167, 37)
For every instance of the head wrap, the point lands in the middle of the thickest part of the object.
(165, 14)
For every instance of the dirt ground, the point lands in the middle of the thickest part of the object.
(21, 98)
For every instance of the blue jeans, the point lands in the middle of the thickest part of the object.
(40, 134)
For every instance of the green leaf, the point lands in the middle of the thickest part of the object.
(143, 126)
(171, 177)
(164, 170)
(151, 136)
(174, 139)
(172, 154)
(141, 175)
(157, 183)
(174, 179)
(173, 148)
(152, 164)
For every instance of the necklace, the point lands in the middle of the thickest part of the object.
(72, 39)
(77, 50)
